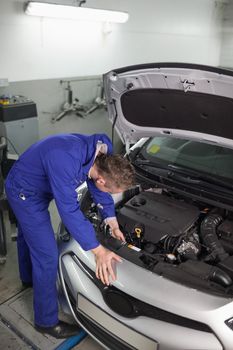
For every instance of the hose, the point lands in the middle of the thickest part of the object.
(72, 341)
(210, 238)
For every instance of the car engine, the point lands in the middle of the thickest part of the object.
(174, 236)
(154, 222)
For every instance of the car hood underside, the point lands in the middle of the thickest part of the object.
(180, 100)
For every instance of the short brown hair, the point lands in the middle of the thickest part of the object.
(116, 170)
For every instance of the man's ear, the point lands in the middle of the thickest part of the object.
(101, 181)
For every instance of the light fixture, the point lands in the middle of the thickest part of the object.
(44, 9)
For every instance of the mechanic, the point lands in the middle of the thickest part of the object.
(53, 168)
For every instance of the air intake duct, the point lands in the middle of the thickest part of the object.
(210, 238)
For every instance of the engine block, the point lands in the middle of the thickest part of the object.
(158, 215)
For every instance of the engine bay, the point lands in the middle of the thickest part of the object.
(181, 239)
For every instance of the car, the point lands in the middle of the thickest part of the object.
(174, 286)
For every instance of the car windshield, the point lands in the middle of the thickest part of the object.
(205, 158)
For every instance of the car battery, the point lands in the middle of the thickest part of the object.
(19, 115)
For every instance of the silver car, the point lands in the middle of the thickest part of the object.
(174, 287)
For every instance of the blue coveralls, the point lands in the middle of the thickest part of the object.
(52, 168)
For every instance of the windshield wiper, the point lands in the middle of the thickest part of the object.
(189, 176)
(148, 163)
(197, 177)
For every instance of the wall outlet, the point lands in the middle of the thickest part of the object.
(4, 82)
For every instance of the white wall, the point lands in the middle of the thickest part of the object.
(226, 58)
(158, 30)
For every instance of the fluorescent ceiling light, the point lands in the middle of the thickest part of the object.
(43, 9)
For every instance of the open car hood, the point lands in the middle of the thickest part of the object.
(181, 100)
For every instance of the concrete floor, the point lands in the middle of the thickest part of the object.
(16, 316)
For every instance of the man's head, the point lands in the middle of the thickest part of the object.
(113, 173)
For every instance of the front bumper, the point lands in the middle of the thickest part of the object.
(104, 324)
(117, 331)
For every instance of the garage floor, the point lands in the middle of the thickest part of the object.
(16, 315)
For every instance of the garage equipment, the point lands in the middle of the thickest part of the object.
(18, 130)
(20, 118)
(3, 201)
(99, 101)
(71, 106)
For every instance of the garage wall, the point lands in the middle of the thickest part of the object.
(158, 30)
(50, 96)
(226, 58)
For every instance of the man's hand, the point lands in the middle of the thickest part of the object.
(115, 230)
(116, 233)
(104, 259)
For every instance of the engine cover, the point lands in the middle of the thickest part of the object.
(158, 214)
